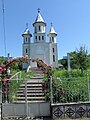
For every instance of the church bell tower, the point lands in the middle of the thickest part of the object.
(39, 29)
(26, 41)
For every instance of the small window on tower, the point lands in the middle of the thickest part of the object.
(53, 50)
(26, 50)
(26, 39)
(39, 37)
(53, 58)
(42, 37)
(39, 28)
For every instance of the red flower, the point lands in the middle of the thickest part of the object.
(1, 69)
(45, 72)
(33, 60)
(2, 66)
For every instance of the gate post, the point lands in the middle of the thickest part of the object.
(26, 101)
(51, 91)
(88, 82)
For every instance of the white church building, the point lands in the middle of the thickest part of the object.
(40, 47)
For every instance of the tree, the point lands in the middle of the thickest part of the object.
(73, 61)
(82, 58)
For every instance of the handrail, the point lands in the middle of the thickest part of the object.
(16, 74)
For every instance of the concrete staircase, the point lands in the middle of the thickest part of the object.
(35, 92)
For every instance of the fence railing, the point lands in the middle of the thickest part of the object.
(71, 90)
(57, 90)
(16, 76)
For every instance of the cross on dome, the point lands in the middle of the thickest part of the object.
(38, 10)
(52, 31)
(51, 24)
(39, 18)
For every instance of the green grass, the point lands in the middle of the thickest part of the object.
(15, 84)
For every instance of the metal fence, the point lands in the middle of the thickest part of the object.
(71, 90)
(56, 90)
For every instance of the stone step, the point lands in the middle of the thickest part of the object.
(30, 91)
(36, 70)
(32, 85)
(35, 81)
(35, 91)
(23, 101)
(32, 88)
(31, 98)
(37, 76)
(31, 94)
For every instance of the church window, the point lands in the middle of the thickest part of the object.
(26, 50)
(39, 28)
(26, 39)
(42, 37)
(53, 50)
(52, 39)
(53, 58)
(39, 37)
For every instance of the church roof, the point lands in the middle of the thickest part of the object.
(52, 31)
(26, 32)
(39, 18)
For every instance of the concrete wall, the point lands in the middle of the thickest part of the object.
(71, 111)
(33, 109)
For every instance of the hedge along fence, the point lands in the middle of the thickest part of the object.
(7, 65)
(71, 89)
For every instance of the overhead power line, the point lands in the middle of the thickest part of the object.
(4, 31)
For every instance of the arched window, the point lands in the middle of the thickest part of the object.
(53, 50)
(42, 37)
(26, 39)
(39, 28)
(36, 37)
(39, 37)
(26, 50)
(52, 39)
(53, 58)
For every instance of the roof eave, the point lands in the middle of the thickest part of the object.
(39, 22)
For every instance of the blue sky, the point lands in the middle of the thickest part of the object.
(70, 18)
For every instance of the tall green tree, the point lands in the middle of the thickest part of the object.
(82, 58)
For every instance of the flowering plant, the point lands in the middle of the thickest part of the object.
(47, 69)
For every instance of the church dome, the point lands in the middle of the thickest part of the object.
(52, 31)
(26, 32)
(39, 18)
